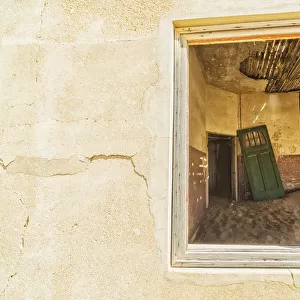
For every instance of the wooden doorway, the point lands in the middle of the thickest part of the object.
(222, 165)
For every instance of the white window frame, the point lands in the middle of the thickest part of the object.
(216, 31)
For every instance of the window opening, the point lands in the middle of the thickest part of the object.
(239, 231)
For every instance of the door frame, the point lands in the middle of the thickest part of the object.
(234, 168)
(216, 31)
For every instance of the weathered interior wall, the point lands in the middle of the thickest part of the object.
(85, 140)
(197, 103)
(222, 111)
(280, 112)
(198, 142)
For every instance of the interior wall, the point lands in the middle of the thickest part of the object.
(197, 141)
(197, 103)
(280, 112)
(222, 111)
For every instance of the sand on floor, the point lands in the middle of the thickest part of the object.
(270, 222)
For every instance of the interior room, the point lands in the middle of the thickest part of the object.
(244, 143)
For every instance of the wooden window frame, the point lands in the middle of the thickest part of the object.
(216, 31)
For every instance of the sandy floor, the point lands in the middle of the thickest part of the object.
(271, 222)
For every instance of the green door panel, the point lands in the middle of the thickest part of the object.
(254, 168)
(260, 163)
(268, 172)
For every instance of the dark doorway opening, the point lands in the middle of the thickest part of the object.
(220, 148)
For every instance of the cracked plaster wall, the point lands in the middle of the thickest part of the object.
(280, 112)
(84, 147)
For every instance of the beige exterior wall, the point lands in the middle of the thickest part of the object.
(280, 112)
(222, 111)
(86, 89)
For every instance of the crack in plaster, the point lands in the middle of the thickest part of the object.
(45, 3)
(125, 157)
(87, 161)
(15, 142)
(18, 125)
(52, 119)
(3, 165)
(17, 42)
(21, 251)
(129, 158)
(140, 175)
(21, 200)
(108, 156)
(293, 278)
(154, 83)
(150, 199)
(147, 97)
(72, 121)
(292, 287)
(26, 104)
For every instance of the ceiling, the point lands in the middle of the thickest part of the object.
(222, 62)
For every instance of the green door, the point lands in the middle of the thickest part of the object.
(260, 163)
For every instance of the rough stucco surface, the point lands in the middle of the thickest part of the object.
(85, 137)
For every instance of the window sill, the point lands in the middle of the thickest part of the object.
(231, 276)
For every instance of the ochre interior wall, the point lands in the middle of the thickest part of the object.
(222, 111)
(280, 112)
(197, 103)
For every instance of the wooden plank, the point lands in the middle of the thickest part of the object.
(237, 19)
(237, 26)
(242, 36)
